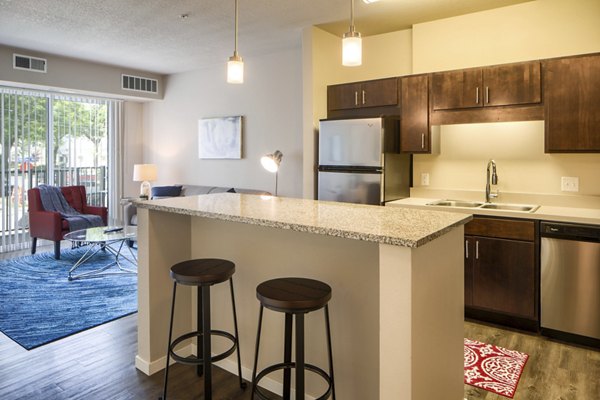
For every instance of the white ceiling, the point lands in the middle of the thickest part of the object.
(150, 34)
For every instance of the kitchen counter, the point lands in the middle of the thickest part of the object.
(396, 226)
(546, 213)
(396, 275)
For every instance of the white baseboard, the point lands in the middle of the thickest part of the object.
(150, 368)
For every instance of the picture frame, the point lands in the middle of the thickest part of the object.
(220, 138)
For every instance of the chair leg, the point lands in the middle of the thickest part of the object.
(164, 396)
(206, 345)
(57, 250)
(329, 351)
(299, 356)
(237, 337)
(33, 245)
(260, 316)
(287, 356)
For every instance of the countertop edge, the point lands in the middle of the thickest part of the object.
(341, 233)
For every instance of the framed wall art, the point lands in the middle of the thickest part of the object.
(220, 138)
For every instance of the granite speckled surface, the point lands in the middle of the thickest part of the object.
(390, 225)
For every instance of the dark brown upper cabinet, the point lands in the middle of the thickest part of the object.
(414, 125)
(572, 104)
(501, 85)
(376, 93)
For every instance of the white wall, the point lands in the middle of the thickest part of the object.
(270, 100)
(73, 75)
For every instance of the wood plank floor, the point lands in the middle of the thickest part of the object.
(554, 371)
(97, 364)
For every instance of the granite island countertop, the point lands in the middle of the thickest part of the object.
(388, 225)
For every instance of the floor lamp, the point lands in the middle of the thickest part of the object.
(271, 162)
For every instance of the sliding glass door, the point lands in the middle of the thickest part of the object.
(51, 139)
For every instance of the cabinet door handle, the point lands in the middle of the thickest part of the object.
(477, 95)
(477, 250)
(466, 249)
(422, 140)
(355, 98)
(487, 95)
(363, 97)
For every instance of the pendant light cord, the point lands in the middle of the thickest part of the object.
(235, 53)
(351, 15)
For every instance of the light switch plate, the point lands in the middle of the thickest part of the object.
(424, 179)
(569, 184)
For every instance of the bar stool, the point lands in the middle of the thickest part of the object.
(295, 297)
(203, 273)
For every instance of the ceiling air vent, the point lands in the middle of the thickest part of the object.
(139, 84)
(28, 63)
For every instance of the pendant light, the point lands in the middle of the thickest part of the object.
(235, 65)
(351, 44)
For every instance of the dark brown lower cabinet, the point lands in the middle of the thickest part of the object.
(502, 271)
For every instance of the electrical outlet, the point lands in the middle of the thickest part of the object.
(424, 179)
(569, 184)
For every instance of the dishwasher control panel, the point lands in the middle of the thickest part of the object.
(570, 231)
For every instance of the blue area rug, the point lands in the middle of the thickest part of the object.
(39, 305)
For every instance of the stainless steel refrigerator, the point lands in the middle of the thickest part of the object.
(360, 161)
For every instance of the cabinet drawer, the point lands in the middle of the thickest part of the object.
(502, 228)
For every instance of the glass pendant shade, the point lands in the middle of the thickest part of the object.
(235, 69)
(352, 49)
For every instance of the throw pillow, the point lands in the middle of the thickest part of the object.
(166, 191)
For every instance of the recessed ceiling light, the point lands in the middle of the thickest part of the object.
(370, 1)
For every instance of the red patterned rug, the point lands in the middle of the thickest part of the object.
(493, 368)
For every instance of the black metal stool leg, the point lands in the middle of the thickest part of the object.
(164, 396)
(199, 367)
(206, 350)
(237, 338)
(287, 356)
(299, 356)
(260, 317)
(329, 351)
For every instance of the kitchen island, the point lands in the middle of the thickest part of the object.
(397, 279)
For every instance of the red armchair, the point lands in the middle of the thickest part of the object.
(50, 225)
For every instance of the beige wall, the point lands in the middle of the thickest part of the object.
(539, 29)
(383, 56)
(270, 101)
(517, 148)
(528, 31)
(72, 75)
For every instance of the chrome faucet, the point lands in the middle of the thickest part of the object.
(493, 181)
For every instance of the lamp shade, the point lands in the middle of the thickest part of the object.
(271, 162)
(144, 172)
(235, 70)
(351, 49)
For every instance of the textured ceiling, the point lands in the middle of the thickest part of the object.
(150, 34)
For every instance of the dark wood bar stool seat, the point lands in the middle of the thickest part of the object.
(203, 273)
(295, 297)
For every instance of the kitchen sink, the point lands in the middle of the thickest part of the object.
(455, 203)
(510, 207)
(485, 206)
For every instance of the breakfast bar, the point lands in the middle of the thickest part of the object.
(396, 273)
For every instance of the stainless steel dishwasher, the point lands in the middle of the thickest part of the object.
(570, 281)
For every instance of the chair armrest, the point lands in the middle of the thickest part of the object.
(45, 225)
(100, 211)
(128, 212)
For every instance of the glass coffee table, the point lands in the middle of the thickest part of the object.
(104, 238)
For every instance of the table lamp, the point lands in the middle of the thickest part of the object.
(144, 173)
(271, 162)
